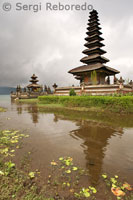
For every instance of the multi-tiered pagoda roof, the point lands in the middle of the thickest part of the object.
(94, 59)
(34, 83)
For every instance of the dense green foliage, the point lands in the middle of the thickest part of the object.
(124, 103)
(72, 92)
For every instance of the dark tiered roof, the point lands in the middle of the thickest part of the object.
(93, 59)
(34, 79)
(33, 82)
(92, 67)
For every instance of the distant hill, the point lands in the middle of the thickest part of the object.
(6, 90)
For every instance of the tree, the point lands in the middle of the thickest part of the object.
(94, 77)
(72, 92)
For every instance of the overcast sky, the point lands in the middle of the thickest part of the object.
(50, 43)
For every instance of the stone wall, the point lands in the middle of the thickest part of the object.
(95, 90)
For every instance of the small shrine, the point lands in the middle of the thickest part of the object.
(33, 90)
(34, 86)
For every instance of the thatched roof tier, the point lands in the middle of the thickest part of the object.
(34, 76)
(95, 43)
(94, 59)
(94, 16)
(93, 23)
(94, 32)
(93, 38)
(93, 19)
(93, 28)
(93, 12)
(34, 86)
(89, 68)
(94, 50)
(34, 81)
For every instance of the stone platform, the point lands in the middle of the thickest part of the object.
(95, 90)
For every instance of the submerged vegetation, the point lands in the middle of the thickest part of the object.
(66, 180)
(2, 109)
(107, 103)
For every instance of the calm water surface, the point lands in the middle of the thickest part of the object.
(94, 143)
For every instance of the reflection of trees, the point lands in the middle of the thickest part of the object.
(55, 118)
(95, 139)
(31, 108)
(19, 110)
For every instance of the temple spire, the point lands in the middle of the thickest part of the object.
(93, 60)
(94, 43)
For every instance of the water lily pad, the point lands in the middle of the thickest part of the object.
(32, 174)
(68, 171)
(53, 163)
(75, 168)
(93, 189)
(1, 173)
(85, 192)
(12, 151)
(61, 158)
(104, 176)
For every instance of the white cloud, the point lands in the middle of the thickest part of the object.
(50, 43)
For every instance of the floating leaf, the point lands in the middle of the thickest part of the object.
(12, 151)
(32, 175)
(117, 192)
(68, 184)
(68, 171)
(93, 189)
(10, 164)
(114, 186)
(53, 163)
(75, 168)
(127, 186)
(116, 176)
(85, 192)
(71, 190)
(113, 180)
(1, 173)
(61, 158)
(104, 176)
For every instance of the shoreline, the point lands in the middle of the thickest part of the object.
(117, 105)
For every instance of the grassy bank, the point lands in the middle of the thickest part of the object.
(107, 103)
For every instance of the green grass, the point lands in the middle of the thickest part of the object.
(114, 104)
(28, 100)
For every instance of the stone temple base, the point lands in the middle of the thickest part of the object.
(95, 90)
(26, 95)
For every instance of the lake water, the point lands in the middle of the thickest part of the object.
(98, 142)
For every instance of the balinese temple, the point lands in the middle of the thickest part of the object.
(33, 90)
(94, 59)
(34, 86)
(94, 73)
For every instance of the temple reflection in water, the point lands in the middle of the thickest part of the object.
(94, 138)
